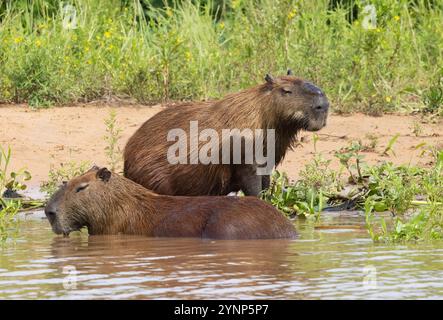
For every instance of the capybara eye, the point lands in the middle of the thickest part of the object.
(50, 213)
(286, 91)
(81, 187)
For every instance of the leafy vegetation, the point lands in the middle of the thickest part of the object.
(309, 194)
(412, 195)
(8, 223)
(112, 137)
(63, 173)
(10, 183)
(56, 52)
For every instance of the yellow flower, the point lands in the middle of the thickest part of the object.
(222, 25)
(378, 30)
(38, 43)
(107, 34)
(235, 4)
(292, 14)
(18, 39)
(388, 99)
(86, 49)
(188, 55)
(89, 62)
(169, 12)
(396, 18)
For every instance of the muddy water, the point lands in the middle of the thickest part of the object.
(337, 260)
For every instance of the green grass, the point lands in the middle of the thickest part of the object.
(196, 51)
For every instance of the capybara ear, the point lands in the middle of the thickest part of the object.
(290, 73)
(94, 168)
(269, 78)
(103, 174)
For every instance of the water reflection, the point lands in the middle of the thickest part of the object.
(323, 263)
(170, 267)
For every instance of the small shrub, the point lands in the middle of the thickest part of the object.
(65, 172)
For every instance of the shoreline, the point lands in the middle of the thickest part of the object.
(40, 138)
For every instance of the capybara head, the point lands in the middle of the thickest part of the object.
(298, 100)
(70, 207)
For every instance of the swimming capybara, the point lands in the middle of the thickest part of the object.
(107, 203)
(286, 104)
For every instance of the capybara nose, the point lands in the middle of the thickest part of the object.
(321, 104)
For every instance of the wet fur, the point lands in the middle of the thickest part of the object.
(122, 206)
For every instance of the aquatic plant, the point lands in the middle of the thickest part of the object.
(412, 196)
(11, 202)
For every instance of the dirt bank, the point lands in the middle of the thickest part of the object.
(41, 138)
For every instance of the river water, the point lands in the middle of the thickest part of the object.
(334, 261)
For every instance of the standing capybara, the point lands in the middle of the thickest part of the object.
(107, 203)
(286, 104)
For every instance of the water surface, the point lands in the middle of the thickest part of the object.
(324, 263)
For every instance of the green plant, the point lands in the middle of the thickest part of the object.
(65, 172)
(397, 191)
(390, 146)
(411, 195)
(112, 149)
(8, 221)
(309, 195)
(183, 50)
(433, 98)
(372, 142)
(12, 181)
(351, 159)
(417, 129)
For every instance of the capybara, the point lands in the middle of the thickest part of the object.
(286, 104)
(107, 203)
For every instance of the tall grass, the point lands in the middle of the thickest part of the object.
(191, 50)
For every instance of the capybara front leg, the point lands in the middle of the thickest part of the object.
(265, 182)
(248, 180)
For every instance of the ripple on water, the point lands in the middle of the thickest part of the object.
(321, 264)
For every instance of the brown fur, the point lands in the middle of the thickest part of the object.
(110, 204)
(266, 106)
